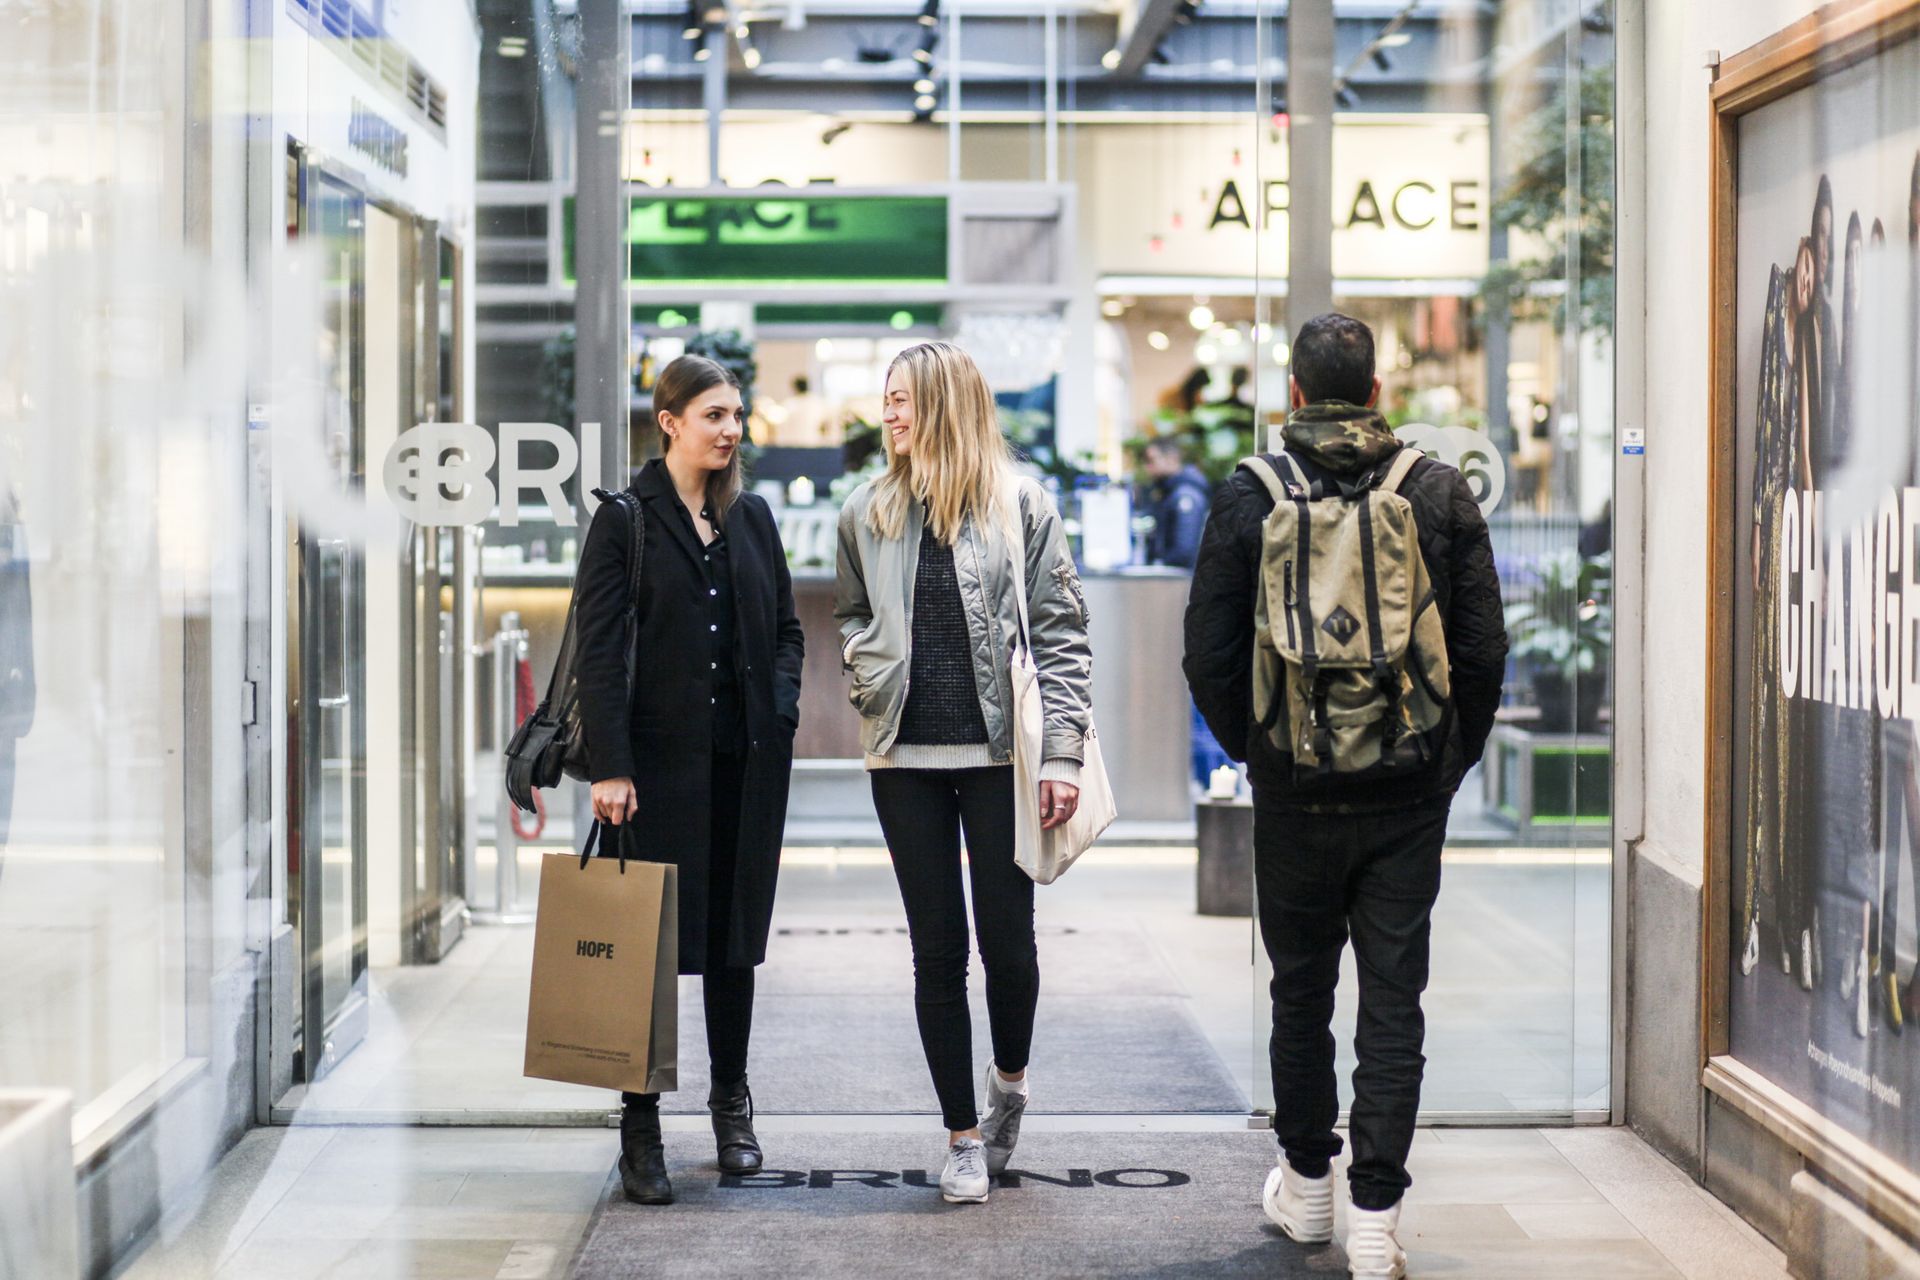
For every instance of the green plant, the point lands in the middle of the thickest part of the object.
(1562, 620)
(1534, 201)
(556, 377)
(1032, 435)
(727, 348)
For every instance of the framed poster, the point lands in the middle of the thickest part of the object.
(1812, 1019)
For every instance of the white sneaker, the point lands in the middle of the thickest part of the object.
(1000, 1127)
(1298, 1205)
(964, 1180)
(1373, 1245)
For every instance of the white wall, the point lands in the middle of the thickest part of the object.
(1679, 35)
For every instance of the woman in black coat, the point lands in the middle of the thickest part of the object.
(703, 754)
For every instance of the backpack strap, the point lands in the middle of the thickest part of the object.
(1299, 476)
(1403, 462)
(1264, 471)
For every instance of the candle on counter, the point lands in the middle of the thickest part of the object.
(1224, 784)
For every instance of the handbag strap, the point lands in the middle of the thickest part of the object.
(1016, 539)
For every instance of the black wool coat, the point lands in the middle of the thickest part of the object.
(664, 742)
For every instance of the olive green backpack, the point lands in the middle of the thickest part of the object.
(1349, 658)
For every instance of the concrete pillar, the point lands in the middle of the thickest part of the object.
(1309, 161)
(600, 317)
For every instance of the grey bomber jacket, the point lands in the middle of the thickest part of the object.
(873, 603)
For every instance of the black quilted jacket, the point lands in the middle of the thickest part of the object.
(1219, 634)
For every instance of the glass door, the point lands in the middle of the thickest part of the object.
(1468, 188)
(327, 803)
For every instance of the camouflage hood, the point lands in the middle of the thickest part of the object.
(1344, 438)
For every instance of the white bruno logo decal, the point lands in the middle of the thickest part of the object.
(440, 473)
(1471, 452)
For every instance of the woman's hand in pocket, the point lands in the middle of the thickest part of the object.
(614, 801)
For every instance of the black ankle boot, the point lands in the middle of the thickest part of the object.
(732, 1107)
(643, 1158)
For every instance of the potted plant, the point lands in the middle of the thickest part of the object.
(1561, 631)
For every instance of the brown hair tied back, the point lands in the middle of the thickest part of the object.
(682, 382)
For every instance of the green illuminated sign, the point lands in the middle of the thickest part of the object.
(791, 239)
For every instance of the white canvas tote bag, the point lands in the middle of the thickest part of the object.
(1045, 855)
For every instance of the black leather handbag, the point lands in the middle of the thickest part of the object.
(552, 742)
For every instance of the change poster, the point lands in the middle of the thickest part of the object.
(1824, 996)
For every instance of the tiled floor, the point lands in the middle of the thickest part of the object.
(1516, 1007)
(513, 1204)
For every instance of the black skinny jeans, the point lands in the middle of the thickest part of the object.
(1322, 878)
(727, 994)
(923, 812)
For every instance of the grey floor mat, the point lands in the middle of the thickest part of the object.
(854, 1054)
(1183, 1206)
(835, 1032)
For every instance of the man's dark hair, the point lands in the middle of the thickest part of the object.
(1333, 359)
(1165, 446)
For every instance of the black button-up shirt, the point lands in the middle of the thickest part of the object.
(729, 720)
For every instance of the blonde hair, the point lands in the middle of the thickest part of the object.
(959, 461)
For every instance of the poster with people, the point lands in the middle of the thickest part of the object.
(1824, 999)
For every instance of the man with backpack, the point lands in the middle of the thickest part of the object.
(1345, 637)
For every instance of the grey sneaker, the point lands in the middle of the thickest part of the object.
(964, 1180)
(1000, 1127)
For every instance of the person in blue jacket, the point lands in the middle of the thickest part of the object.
(1177, 499)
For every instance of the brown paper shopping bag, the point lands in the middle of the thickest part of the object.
(605, 1005)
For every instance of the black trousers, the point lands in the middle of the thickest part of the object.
(726, 994)
(923, 813)
(1322, 878)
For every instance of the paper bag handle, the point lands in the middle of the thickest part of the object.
(586, 850)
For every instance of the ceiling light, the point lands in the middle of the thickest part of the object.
(702, 54)
(923, 56)
(1110, 59)
(1159, 341)
(930, 14)
(1229, 337)
(1113, 308)
(1395, 40)
(923, 85)
(1282, 353)
(1201, 317)
(741, 32)
(1205, 353)
(512, 50)
(750, 56)
(716, 15)
(924, 102)
(691, 32)
(823, 350)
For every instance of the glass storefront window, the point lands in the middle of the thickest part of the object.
(103, 554)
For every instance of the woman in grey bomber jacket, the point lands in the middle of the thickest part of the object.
(925, 599)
